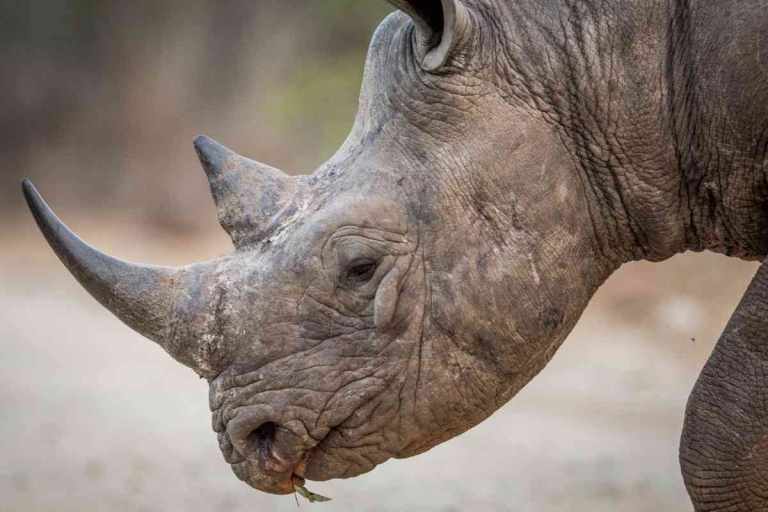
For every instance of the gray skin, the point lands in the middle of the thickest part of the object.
(507, 157)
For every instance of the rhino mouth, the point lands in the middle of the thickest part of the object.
(282, 483)
(270, 475)
(270, 457)
(278, 438)
(279, 459)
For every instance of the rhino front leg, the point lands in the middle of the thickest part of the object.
(724, 446)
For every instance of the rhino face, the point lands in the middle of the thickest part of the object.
(389, 301)
(311, 386)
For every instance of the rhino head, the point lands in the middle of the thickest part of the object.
(395, 297)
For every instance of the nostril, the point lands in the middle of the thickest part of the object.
(260, 440)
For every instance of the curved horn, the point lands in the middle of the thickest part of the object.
(248, 194)
(140, 296)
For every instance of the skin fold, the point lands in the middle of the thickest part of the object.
(506, 158)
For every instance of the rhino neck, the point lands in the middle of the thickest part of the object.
(615, 82)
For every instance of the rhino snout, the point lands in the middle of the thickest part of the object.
(268, 453)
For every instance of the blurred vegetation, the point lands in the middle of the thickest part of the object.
(101, 100)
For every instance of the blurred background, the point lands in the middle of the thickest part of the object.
(99, 104)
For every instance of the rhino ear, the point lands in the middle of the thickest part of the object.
(439, 24)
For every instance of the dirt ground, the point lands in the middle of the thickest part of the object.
(95, 418)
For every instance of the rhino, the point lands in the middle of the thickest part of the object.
(507, 157)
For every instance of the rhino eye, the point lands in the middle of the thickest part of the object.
(360, 272)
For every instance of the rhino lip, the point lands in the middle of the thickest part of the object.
(280, 476)
(271, 469)
(264, 477)
(278, 459)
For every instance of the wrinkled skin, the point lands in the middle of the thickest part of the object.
(348, 390)
(506, 158)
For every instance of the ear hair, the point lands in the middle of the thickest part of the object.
(439, 27)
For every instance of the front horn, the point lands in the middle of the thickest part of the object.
(141, 296)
